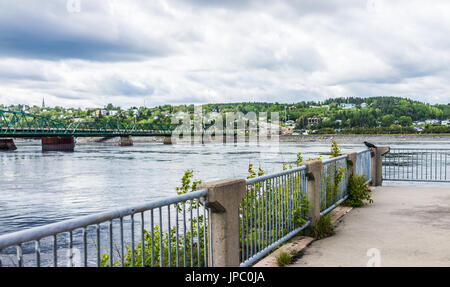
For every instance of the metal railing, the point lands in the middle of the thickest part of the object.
(407, 164)
(176, 232)
(333, 183)
(168, 232)
(363, 164)
(272, 212)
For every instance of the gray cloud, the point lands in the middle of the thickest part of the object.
(48, 31)
(199, 51)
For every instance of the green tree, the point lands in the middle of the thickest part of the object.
(387, 120)
(405, 121)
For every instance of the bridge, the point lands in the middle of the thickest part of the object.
(25, 125)
(59, 135)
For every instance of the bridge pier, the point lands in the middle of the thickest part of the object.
(7, 144)
(125, 141)
(58, 143)
(169, 140)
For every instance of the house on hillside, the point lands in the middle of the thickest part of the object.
(347, 106)
(313, 121)
(431, 122)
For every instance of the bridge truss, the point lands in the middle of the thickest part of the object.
(21, 124)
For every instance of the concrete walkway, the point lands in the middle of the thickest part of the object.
(408, 226)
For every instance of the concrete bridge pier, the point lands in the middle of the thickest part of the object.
(7, 144)
(169, 140)
(125, 141)
(58, 143)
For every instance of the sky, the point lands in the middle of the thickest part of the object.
(87, 53)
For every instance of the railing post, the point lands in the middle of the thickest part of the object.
(351, 162)
(376, 164)
(224, 197)
(313, 172)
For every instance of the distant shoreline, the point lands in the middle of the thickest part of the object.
(355, 138)
(359, 138)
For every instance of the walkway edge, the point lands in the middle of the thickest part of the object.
(298, 243)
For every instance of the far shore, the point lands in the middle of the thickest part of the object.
(370, 138)
(343, 139)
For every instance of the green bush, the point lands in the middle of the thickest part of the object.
(188, 244)
(254, 207)
(358, 191)
(283, 259)
(323, 228)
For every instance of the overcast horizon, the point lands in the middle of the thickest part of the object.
(80, 53)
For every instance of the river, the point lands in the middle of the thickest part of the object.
(45, 187)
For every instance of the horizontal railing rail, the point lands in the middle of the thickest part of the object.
(176, 236)
(412, 164)
(333, 183)
(272, 211)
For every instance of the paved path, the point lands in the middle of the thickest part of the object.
(410, 226)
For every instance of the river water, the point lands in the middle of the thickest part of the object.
(39, 188)
(44, 187)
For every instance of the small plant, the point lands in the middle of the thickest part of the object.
(299, 160)
(283, 259)
(357, 191)
(335, 149)
(315, 158)
(157, 242)
(301, 213)
(186, 185)
(287, 165)
(252, 173)
(323, 228)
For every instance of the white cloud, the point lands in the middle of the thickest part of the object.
(207, 51)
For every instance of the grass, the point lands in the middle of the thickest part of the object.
(284, 259)
(323, 228)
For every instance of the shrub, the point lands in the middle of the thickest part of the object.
(188, 243)
(283, 259)
(323, 228)
(357, 191)
(335, 149)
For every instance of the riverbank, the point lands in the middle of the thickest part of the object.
(369, 138)
(342, 139)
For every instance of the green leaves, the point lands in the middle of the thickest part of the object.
(358, 191)
(299, 160)
(335, 149)
(323, 227)
(187, 184)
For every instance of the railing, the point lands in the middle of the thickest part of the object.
(333, 183)
(405, 164)
(363, 164)
(272, 211)
(177, 231)
(172, 232)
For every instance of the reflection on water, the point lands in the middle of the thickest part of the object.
(40, 188)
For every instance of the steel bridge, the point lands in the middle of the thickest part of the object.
(25, 125)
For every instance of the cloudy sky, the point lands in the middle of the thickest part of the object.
(87, 53)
